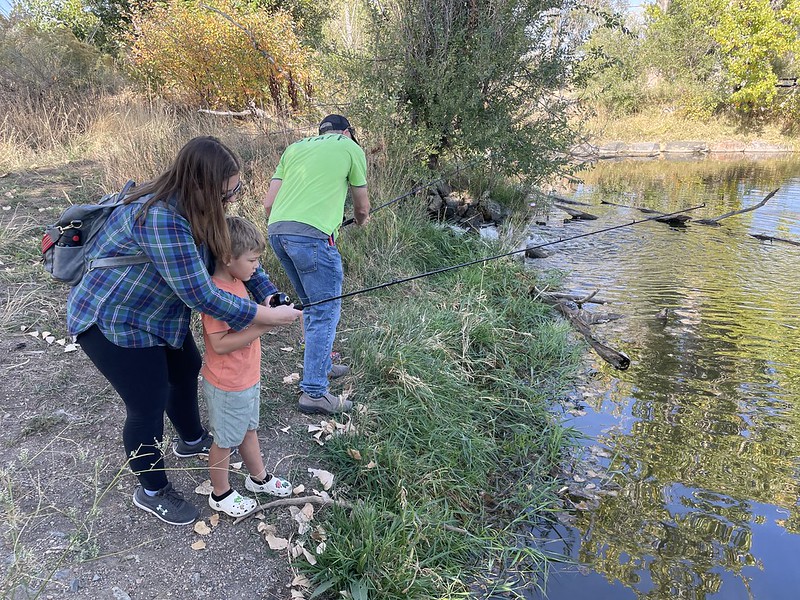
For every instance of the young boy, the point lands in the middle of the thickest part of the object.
(231, 382)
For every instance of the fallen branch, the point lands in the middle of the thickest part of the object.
(298, 501)
(590, 299)
(715, 222)
(769, 238)
(616, 359)
(575, 214)
(673, 220)
(558, 198)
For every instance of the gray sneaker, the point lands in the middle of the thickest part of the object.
(168, 505)
(338, 371)
(183, 450)
(328, 404)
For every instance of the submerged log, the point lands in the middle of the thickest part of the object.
(616, 359)
(675, 220)
(672, 220)
(564, 200)
(575, 213)
(715, 222)
(769, 238)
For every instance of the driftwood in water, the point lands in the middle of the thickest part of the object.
(579, 300)
(769, 238)
(715, 222)
(575, 213)
(673, 220)
(563, 200)
(576, 317)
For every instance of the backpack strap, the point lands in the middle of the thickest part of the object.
(116, 261)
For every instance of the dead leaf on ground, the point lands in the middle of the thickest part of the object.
(354, 454)
(199, 545)
(325, 477)
(287, 349)
(205, 488)
(291, 378)
(371, 464)
(201, 528)
(70, 347)
(299, 489)
(236, 465)
(312, 560)
(276, 543)
(214, 519)
(295, 550)
(301, 581)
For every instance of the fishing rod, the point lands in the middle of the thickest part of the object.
(415, 190)
(284, 299)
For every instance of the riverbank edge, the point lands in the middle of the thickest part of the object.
(588, 151)
(463, 534)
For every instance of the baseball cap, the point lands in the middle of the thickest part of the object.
(337, 123)
(333, 123)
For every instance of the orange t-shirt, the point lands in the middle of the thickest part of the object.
(239, 370)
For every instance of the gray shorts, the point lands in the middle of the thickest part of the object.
(232, 414)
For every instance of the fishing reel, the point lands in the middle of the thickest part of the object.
(279, 299)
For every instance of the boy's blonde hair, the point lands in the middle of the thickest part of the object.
(245, 237)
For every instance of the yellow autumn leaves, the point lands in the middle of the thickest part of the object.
(219, 55)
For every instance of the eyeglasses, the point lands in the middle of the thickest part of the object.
(226, 197)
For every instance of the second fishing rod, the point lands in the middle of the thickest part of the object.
(284, 299)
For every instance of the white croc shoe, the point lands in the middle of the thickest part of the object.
(274, 486)
(234, 504)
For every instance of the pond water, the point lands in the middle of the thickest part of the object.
(700, 437)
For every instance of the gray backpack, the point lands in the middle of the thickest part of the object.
(65, 242)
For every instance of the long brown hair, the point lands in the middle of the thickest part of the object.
(196, 179)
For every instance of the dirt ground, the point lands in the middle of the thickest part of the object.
(69, 528)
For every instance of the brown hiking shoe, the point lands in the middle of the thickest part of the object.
(324, 405)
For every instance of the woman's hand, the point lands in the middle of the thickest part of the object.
(278, 315)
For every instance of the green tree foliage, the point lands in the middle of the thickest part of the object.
(219, 55)
(462, 78)
(100, 23)
(610, 71)
(310, 16)
(702, 56)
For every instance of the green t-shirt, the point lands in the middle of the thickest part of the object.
(316, 173)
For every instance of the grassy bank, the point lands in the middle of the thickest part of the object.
(452, 452)
(655, 124)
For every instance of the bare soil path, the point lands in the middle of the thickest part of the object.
(68, 526)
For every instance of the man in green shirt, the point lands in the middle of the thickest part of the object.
(305, 207)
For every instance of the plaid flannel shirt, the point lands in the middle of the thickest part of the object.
(150, 304)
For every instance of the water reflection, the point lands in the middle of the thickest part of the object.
(703, 430)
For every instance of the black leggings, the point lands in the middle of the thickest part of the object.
(150, 381)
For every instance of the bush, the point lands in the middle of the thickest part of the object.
(221, 57)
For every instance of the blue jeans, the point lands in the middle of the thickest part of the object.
(315, 269)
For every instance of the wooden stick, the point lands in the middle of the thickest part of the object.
(769, 238)
(715, 222)
(574, 213)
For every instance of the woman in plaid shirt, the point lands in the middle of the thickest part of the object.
(133, 321)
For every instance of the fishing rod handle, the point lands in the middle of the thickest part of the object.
(347, 222)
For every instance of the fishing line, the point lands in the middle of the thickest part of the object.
(416, 189)
(495, 257)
